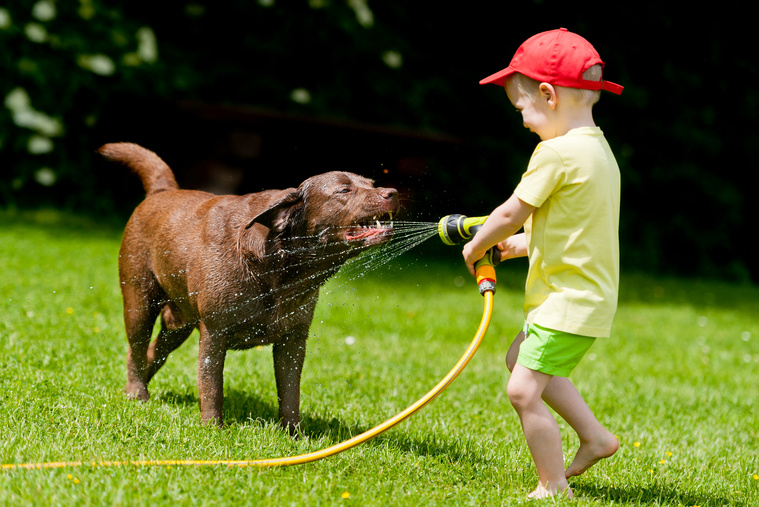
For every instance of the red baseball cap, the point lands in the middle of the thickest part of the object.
(558, 57)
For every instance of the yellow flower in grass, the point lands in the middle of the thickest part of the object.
(346, 495)
(636, 444)
(69, 310)
(756, 477)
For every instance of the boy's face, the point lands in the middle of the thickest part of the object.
(536, 113)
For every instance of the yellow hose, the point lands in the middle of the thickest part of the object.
(313, 456)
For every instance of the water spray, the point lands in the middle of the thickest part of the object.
(452, 229)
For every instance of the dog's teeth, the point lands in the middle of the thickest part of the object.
(379, 225)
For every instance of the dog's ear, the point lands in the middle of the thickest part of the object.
(276, 216)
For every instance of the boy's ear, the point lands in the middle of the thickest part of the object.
(548, 93)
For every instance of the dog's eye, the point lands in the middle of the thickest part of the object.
(344, 190)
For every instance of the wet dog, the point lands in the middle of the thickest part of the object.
(244, 270)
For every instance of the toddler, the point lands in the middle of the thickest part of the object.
(568, 202)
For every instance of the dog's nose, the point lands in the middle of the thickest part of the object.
(389, 193)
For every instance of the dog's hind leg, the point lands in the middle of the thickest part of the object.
(141, 309)
(139, 322)
(174, 332)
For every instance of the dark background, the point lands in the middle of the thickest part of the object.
(218, 105)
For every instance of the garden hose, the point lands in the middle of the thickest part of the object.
(486, 281)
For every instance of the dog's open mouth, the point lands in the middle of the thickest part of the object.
(376, 228)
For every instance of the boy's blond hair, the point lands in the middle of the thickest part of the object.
(530, 87)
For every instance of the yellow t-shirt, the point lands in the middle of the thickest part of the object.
(572, 237)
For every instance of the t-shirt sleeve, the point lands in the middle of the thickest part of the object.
(545, 174)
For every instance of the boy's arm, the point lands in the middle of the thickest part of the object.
(502, 223)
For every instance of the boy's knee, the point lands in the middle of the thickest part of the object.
(518, 396)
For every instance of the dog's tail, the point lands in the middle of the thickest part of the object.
(156, 176)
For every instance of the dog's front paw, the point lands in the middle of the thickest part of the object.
(293, 428)
(136, 392)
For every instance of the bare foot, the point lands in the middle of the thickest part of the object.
(543, 492)
(592, 452)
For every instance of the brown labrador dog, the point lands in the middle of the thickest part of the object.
(244, 270)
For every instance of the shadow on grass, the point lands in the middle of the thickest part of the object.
(653, 494)
(244, 408)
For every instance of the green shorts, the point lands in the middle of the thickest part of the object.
(552, 352)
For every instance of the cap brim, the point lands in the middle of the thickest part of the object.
(499, 78)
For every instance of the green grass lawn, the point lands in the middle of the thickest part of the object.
(677, 383)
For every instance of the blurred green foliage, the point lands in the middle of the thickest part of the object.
(683, 131)
(61, 63)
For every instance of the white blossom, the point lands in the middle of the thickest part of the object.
(99, 64)
(5, 18)
(300, 96)
(364, 14)
(35, 32)
(44, 10)
(147, 47)
(38, 145)
(392, 59)
(24, 115)
(45, 177)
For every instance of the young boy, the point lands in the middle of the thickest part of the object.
(568, 202)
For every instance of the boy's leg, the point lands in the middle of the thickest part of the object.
(596, 442)
(541, 431)
(513, 353)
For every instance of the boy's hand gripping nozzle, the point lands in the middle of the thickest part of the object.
(456, 229)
